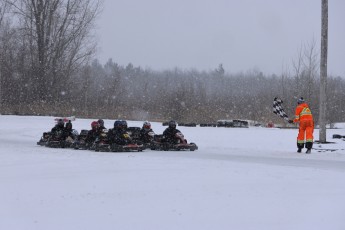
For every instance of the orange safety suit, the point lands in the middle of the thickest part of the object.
(306, 125)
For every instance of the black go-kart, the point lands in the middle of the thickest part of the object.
(59, 140)
(44, 139)
(180, 143)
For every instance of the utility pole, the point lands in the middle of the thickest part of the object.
(323, 70)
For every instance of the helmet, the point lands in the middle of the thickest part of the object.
(124, 124)
(94, 125)
(101, 122)
(117, 124)
(147, 125)
(60, 123)
(172, 124)
(300, 100)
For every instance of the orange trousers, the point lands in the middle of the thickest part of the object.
(305, 132)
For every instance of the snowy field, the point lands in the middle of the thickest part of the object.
(249, 178)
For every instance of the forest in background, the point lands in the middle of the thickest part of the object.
(47, 67)
(127, 92)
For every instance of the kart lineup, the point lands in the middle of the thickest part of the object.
(120, 138)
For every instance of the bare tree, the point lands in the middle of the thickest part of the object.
(4, 35)
(3, 6)
(58, 33)
(297, 69)
(323, 71)
(310, 64)
(335, 102)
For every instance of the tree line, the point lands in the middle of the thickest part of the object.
(47, 68)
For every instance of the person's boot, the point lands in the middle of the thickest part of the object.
(308, 145)
(300, 147)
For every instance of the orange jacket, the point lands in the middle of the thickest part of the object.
(303, 113)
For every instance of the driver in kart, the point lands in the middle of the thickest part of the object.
(119, 135)
(169, 134)
(58, 128)
(146, 133)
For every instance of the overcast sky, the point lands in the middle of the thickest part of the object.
(201, 34)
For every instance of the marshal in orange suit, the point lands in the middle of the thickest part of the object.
(304, 117)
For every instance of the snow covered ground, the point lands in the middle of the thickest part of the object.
(240, 178)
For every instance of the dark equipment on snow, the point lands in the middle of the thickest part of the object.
(233, 123)
(338, 136)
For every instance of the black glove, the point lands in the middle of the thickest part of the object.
(290, 121)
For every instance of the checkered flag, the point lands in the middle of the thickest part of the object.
(278, 108)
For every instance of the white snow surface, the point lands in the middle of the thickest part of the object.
(239, 178)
